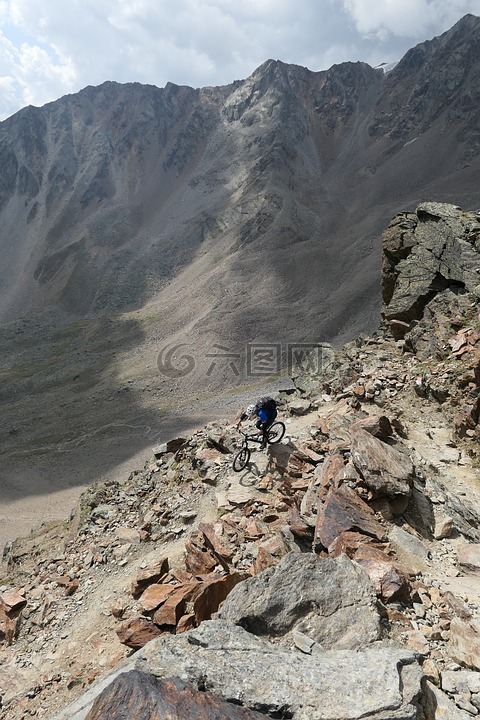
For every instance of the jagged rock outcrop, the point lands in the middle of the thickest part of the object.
(383, 680)
(426, 252)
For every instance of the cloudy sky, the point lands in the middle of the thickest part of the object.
(49, 48)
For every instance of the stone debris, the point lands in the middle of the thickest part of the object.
(361, 529)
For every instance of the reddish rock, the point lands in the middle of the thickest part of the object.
(217, 543)
(199, 559)
(174, 606)
(136, 696)
(264, 560)
(137, 632)
(417, 641)
(11, 605)
(301, 484)
(181, 575)
(348, 543)
(464, 644)
(149, 575)
(255, 529)
(298, 466)
(212, 593)
(155, 595)
(276, 545)
(298, 525)
(329, 474)
(313, 456)
(377, 425)
(186, 623)
(127, 534)
(12, 601)
(9, 625)
(389, 580)
(343, 510)
(208, 455)
(118, 609)
(469, 556)
(359, 391)
(71, 587)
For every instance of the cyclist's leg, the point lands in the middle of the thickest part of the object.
(270, 416)
(262, 426)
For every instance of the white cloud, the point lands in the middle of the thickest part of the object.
(407, 18)
(50, 48)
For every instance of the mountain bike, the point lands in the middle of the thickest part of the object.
(275, 433)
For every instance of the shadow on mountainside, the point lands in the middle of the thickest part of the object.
(77, 402)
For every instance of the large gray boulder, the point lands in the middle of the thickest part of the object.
(386, 471)
(381, 682)
(332, 600)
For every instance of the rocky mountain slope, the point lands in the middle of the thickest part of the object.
(135, 220)
(337, 576)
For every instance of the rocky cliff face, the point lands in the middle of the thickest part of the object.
(345, 558)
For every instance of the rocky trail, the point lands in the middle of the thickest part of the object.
(345, 558)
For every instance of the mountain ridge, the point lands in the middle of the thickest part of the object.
(135, 219)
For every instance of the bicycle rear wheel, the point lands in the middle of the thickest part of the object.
(241, 459)
(275, 433)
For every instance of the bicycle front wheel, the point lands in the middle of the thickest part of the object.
(241, 459)
(275, 433)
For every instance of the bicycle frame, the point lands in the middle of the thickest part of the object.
(252, 438)
(272, 435)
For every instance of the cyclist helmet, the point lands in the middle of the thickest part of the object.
(251, 410)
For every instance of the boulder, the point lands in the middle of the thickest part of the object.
(343, 510)
(299, 407)
(200, 558)
(171, 446)
(170, 612)
(380, 682)
(377, 425)
(138, 696)
(389, 579)
(424, 254)
(11, 605)
(385, 470)
(155, 595)
(137, 632)
(348, 543)
(331, 600)
(212, 593)
(455, 681)
(437, 706)
(464, 643)
(12, 601)
(469, 556)
(410, 550)
(149, 575)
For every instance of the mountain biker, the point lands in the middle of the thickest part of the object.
(265, 409)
